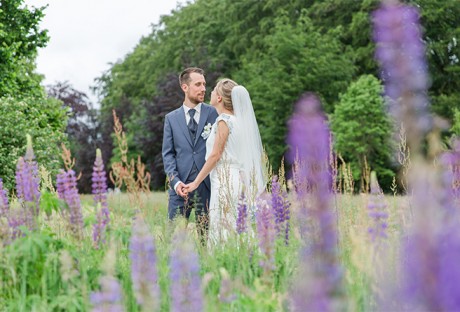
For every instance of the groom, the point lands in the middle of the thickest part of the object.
(184, 149)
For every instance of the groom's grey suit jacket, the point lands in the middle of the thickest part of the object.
(179, 152)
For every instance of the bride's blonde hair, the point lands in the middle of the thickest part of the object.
(224, 88)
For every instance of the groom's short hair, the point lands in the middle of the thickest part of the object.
(184, 77)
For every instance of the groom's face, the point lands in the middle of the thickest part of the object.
(196, 89)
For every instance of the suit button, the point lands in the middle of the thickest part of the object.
(194, 153)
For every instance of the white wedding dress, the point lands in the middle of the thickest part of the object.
(240, 167)
(225, 184)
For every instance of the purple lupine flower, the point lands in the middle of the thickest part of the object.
(17, 218)
(308, 124)
(109, 298)
(60, 186)
(99, 180)
(430, 273)
(309, 139)
(401, 54)
(144, 266)
(28, 180)
(430, 266)
(242, 218)
(449, 270)
(99, 228)
(4, 204)
(377, 211)
(281, 207)
(186, 292)
(67, 183)
(99, 185)
(266, 233)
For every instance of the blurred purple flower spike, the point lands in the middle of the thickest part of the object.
(319, 286)
(404, 70)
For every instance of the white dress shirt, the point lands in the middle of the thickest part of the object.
(197, 113)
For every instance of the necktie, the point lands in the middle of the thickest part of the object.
(192, 125)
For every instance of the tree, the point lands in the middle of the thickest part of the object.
(24, 108)
(441, 27)
(362, 130)
(20, 39)
(293, 59)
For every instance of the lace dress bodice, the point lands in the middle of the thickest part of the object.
(230, 152)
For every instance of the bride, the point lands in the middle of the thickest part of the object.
(233, 157)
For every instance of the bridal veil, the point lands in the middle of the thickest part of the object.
(250, 149)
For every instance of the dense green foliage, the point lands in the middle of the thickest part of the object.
(292, 59)
(363, 129)
(44, 119)
(24, 108)
(278, 50)
(442, 30)
(455, 129)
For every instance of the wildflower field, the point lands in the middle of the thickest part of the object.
(157, 264)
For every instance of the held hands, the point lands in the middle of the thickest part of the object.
(183, 189)
(180, 190)
(190, 187)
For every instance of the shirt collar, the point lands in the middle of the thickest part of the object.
(197, 108)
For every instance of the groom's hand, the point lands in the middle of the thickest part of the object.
(180, 190)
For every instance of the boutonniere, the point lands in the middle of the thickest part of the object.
(206, 131)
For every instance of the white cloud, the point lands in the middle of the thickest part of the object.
(87, 35)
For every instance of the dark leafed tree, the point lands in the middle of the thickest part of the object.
(151, 120)
(82, 129)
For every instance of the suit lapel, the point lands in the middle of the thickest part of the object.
(183, 124)
(203, 117)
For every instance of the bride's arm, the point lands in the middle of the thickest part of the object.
(214, 156)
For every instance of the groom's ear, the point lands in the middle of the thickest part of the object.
(184, 87)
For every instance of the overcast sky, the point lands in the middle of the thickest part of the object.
(87, 35)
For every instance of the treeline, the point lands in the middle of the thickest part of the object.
(278, 49)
